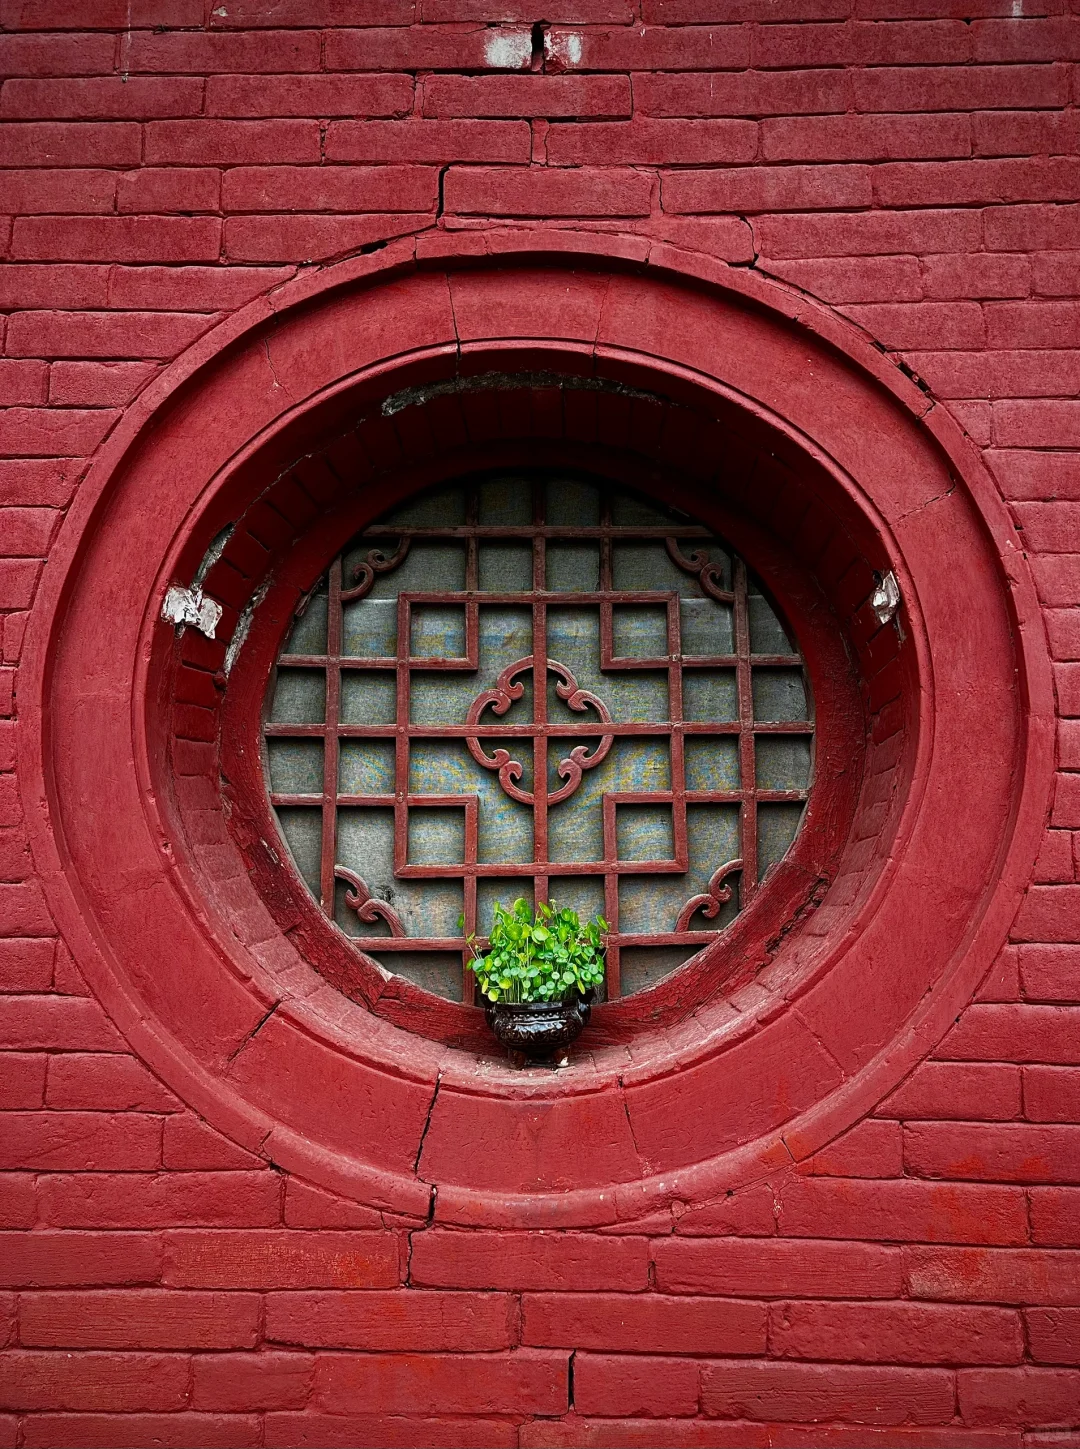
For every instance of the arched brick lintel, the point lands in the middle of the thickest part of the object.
(160, 485)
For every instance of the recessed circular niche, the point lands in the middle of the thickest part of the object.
(288, 436)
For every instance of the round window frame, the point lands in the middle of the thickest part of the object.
(86, 683)
(795, 884)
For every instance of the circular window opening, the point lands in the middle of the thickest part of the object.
(536, 684)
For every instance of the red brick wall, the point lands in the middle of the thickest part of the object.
(912, 164)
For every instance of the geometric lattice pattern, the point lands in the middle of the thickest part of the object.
(537, 685)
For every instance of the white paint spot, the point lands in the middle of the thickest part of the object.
(190, 606)
(1018, 9)
(885, 600)
(508, 49)
(563, 46)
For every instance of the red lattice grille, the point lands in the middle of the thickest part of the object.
(537, 686)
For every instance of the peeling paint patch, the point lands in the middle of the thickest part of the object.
(508, 49)
(506, 382)
(563, 46)
(182, 607)
(885, 600)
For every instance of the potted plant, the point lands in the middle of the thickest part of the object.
(538, 977)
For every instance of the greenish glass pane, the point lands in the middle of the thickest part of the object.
(505, 501)
(366, 767)
(575, 825)
(581, 893)
(707, 628)
(299, 697)
(573, 568)
(644, 832)
(572, 503)
(368, 697)
(491, 890)
(436, 971)
(505, 568)
(308, 633)
(365, 844)
(296, 766)
(369, 629)
(445, 697)
(648, 565)
(438, 631)
(779, 695)
(436, 835)
(426, 908)
(302, 829)
(574, 640)
(445, 767)
(639, 632)
(710, 695)
(783, 762)
(712, 762)
(777, 828)
(439, 508)
(631, 509)
(767, 634)
(652, 904)
(643, 966)
(432, 566)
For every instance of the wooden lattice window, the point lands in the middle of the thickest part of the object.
(539, 685)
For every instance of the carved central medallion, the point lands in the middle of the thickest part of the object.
(508, 689)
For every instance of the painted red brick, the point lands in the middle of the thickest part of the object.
(72, 143)
(231, 1383)
(528, 1381)
(133, 1431)
(1029, 1397)
(983, 1091)
(102, 334)
(854, 1395)
(529, 1260)
(101, 98)
(998, 1152)
(97, 1082)
(772, 1269)
(283, 1259)
(55, 1259)
(97, 384)
(506, 96)
(157, 1200)
(396, 1431)
(23, 1082)
(309, 95)
(574, 191)
(418, 1321)
(214, 142)
(902, 1210)
(907, 1333)
(124, 239)
(992, 1275)
(438, 142)
(306, 188)
(309, 1207)
(111, 1382)
(139, 1318)
(643, 1323)
(632, 1385)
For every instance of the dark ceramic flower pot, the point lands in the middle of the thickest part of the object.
(539, 1031)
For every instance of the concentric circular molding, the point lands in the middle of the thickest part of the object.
(359, 1104)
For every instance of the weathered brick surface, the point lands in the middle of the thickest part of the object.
(913, 166)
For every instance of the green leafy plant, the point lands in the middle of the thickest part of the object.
(546, 957)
